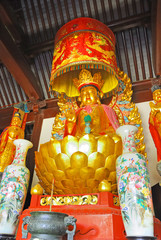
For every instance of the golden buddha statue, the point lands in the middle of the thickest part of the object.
(82, 152)
(155, 122)
(87, 153)
(103, 118)
(14, 131)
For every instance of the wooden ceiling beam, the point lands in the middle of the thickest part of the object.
(6, 116)
(130, 22)
(13, 59)
(39, 48)
(156, 36)
(142, 91)
(48, 111)
(8, 18)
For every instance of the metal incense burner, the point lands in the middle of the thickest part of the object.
(45, 225)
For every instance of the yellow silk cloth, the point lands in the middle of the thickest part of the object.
(64, 83)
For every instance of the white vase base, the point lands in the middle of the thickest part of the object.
(7, 236)
(140, 237)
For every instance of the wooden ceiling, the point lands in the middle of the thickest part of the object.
(28, 30)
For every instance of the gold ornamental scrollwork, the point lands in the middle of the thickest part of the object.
(127, 111)
(116, 201)
(70, 200)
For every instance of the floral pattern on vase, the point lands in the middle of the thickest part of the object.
(13, 188)
(134, 186)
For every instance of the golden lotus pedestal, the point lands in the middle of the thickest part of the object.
(98, 215)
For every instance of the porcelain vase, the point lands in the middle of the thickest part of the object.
(134, 188)
(13, 188)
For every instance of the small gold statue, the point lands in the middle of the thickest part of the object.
(14, 131)
(155, 122)
(103, 118)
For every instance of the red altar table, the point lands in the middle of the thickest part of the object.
(98, 215)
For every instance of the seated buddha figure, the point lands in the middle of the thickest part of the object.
(102, 118)
(84, 146)
(7, 148)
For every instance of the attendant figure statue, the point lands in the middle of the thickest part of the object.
(155, 122)
(10, 133)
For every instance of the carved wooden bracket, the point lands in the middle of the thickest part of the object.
(36, 105)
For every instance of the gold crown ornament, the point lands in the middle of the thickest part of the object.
(85, 78)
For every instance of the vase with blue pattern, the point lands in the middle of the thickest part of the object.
(134, 188)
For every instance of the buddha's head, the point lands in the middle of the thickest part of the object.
(89, 87)
(16, 120)
(156, 89)
(89, 95)
(157, 95)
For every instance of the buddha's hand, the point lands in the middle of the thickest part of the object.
(70, 115)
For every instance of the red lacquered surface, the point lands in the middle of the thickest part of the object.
(101, 221)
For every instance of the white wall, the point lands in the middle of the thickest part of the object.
(144, 110)
(45, 136)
